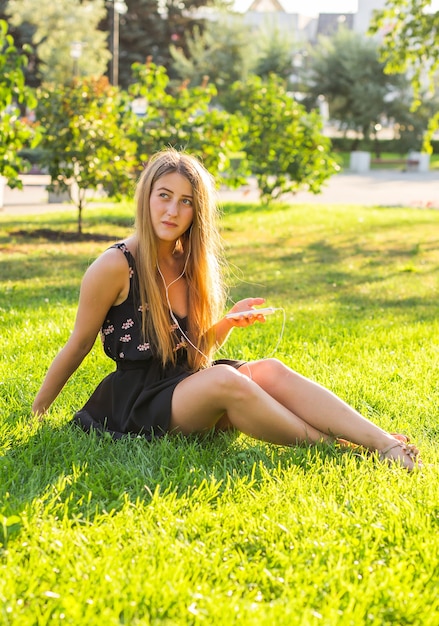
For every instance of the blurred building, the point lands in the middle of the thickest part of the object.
(273, 14)
(366, 9)
(329, 23)
(302, 27)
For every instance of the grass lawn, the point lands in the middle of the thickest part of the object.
(227, 530)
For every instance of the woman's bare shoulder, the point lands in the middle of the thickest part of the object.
(110, 264)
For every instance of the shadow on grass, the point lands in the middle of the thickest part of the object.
(49, 234)
(236, 208)
(64, 227)
(84, 476)
(42, 277)
(323, 269)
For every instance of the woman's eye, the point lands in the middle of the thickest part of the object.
(163, 195)
(187, 201)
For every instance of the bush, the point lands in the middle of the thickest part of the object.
(396, 146)
(285, 147)
(84, 144)
(14, 132)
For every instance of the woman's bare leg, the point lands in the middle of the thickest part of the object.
(275, 404)
(200, 401)
(315, 405)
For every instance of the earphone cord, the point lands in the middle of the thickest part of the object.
(174, 319)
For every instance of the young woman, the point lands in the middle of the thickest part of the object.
(157, 299)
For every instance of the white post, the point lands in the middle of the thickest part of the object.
(2, 190)
(420, 161)
(359, 161)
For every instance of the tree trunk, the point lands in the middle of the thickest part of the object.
(80, 216)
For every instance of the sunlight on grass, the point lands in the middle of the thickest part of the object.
(227, 530)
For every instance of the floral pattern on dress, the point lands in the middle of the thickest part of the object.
(121, 333)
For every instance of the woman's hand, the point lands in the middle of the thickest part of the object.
(247, 306)
(37, 412)
(224, 327)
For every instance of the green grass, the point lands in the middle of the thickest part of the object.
(227, 530)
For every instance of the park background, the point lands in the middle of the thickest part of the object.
(223, 530)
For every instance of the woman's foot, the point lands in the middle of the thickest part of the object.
(404, 454)
(400, 437)
(344, 443)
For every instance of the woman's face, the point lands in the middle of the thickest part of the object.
(171, 206)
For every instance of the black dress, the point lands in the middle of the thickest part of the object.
(135, 398)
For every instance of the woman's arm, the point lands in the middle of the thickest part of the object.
(103, 285)
(223, 328)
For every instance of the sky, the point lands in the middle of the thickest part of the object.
(311, 6)
(314, 7)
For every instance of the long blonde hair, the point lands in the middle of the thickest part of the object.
(206, 294)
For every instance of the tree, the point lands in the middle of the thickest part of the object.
(57, 27)
(223, 51)
(411, 125)
(346, 69)
(85, 139)
(15, 133)
(284, 144)
(184, 118)
(150, 27)
(410, 42)
(22, 36)
(141, 29)
(275, 55)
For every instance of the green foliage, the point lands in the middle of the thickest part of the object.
(410, 32)
(184, 118)
(347, 70)
(222, 51)
(275, 55)
(150, 27)
(22, 35)
(15, 133)
(58, 25)
(142, 33)
(395, 146)
(411, 42)
(225, 53)
(84, 144)
(284, 144)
